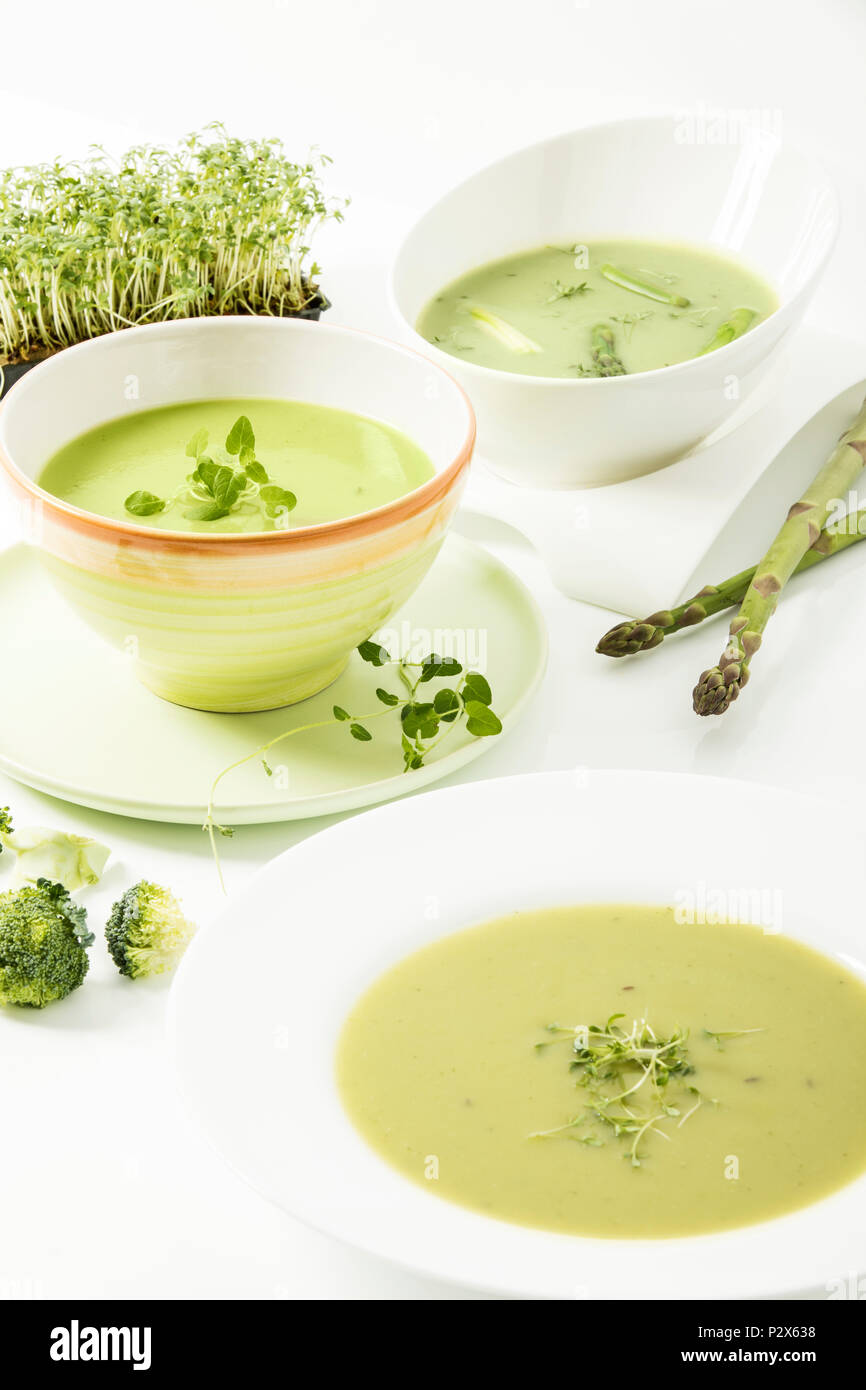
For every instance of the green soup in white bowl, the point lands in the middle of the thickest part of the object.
(608, 308)
(237, 503)
(751, 221)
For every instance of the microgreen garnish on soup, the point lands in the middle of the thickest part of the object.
(223, 480)
(635, 1080)
(425, 716)
(439, 1056)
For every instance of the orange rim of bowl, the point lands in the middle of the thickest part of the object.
(364, 523)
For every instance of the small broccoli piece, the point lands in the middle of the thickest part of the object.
(146, 932)
(43, 945)
(5, 824)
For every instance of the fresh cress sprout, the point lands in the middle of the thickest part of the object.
(216, 225)
(631, 1078)
(223, 481)
(425, 718)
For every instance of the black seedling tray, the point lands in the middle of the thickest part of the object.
(13, 372)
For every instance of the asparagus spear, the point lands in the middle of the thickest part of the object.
(642, 635)
(604, 355)
(628, 282)
(720, 685)
(503, 331)
(733, 327)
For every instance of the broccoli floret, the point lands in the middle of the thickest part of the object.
(43, 945)
(5, 823)
(147, 933)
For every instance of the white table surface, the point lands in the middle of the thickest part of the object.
(110, 1190)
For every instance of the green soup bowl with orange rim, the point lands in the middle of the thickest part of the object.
(237, 621)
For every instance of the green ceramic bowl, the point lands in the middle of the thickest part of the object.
(237, 622)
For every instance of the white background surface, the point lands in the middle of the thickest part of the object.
(109, 1191)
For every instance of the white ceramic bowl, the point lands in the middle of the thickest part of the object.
(756, 197)
(293, 952)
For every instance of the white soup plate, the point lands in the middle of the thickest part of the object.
(261, 996)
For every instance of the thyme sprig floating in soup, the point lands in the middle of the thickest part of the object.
(527, 314)
(632, 1079)
(427, 711)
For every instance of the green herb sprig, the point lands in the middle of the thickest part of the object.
(628, 322)
(630, 1077)
(223, 481)
(561, 291)
(425, 719)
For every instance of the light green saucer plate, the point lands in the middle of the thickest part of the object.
(76, 723)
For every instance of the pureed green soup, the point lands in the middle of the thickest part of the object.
(604, 309)
(464, 1066)
(335, 464)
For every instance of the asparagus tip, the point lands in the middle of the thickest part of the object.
(719, 687)
(629, 637)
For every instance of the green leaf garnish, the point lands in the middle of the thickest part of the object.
(419, 719)
(255, 472)
(372, 652)
(277, 499)
(434, 666)
(241, 441)
(476, 688)
(481, 721)
(144, 504)
(446, 703)
(197, 445)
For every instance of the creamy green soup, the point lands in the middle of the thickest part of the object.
(335, 463)
(450, 1068)
(602, 309)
